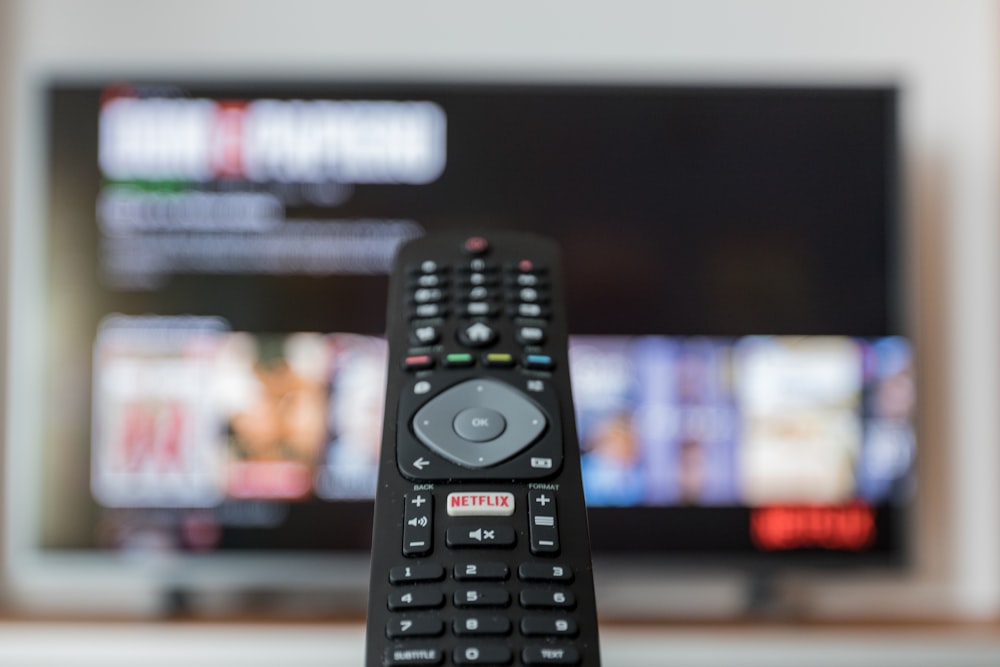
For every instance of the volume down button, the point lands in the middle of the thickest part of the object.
(418, 524)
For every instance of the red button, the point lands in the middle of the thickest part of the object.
(476, 245)
(417, 362)
(525, 265)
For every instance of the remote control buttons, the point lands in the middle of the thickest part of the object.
(543, 528)
(434, 423)
(481, 625)
(418, 626)
(490, 535)
(477, 334)
(408, 574)
(425, 334)
(418, 523)
(399, 657)
(545, 626)
(485, 571)
(487, 596)
(485, 654)
(550, 655)
(479, 424)
(418, 362)
(480, 503)
(476, 245)
(415, 598)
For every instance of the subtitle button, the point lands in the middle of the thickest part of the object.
(398, 657)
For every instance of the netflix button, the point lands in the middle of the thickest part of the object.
(480, 503)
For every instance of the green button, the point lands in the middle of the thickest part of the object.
(458, 359)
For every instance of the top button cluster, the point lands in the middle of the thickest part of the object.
(474, 294)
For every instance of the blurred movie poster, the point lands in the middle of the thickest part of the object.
(349, 468)
(800, 401)
(656, 420)
(190, 414)
(605, 395)
(156, 435)
(273, 391)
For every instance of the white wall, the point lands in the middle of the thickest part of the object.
(943, 53)
(7, 49)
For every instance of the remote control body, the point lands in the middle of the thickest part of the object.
(481, 550)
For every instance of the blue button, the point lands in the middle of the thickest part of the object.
(539, 361)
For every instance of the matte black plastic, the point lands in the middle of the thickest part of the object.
(551, 465)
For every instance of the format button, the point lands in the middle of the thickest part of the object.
(481, 503)
(479, 424)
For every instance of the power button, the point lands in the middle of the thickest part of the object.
(476, 245)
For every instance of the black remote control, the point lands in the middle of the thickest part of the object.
(481, 551)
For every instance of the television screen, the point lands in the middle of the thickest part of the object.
(211, 282)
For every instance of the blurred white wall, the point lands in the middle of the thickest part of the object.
(944, 54)
(7, 53)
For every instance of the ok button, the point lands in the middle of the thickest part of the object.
(479, 424)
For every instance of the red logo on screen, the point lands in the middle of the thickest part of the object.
(227, 139)
(837, 528)
(152, 437)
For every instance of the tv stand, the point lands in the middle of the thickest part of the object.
(770, 595)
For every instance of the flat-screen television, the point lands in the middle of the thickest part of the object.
(198, 362)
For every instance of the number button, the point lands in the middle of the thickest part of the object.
(546, 626)
(481, 625)
(420, 626)
(405, 574)
(487, 654)
(481, 597)
(540, 598)
(417, 598)
(545, 572)
(486, 571)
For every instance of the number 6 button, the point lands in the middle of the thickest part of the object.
(539, 598)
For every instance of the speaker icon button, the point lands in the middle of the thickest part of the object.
(458, 537)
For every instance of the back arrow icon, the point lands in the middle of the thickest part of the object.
(421, 463)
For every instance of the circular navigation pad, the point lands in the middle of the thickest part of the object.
(479, 423)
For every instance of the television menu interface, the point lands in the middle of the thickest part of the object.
(216, 267)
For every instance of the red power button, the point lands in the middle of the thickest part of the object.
(476, 245)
